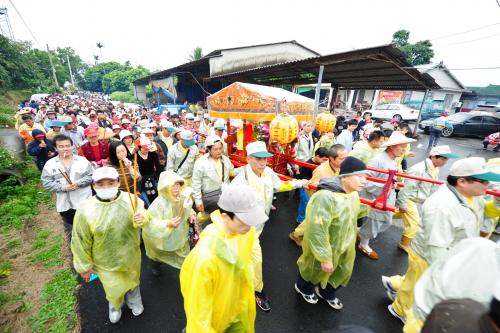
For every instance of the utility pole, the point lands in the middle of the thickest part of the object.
(53, 69)
(70, 71)
(318, 90)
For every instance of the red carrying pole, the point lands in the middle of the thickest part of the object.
(313, 187)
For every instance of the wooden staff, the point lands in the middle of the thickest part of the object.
(126, 184)
(135, 181)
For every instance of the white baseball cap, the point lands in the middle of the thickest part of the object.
(443, 151)
(220, 124)
(125, 121)
(258, 149)
(190, 116)
(206, 116)
(187, 137)
(473, 167)
(196, 118)
(241, 200)
(212, 139)
(104, 173)
(124, 134)
(116, 126)
(147, 130)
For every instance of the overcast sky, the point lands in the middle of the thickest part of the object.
(161, 34)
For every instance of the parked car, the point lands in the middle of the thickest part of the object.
(490, 108)
(388, 111)
(430, 109)
(474, 123)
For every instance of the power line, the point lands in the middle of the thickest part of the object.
(468, 41)
(25, 24)
(466, 31)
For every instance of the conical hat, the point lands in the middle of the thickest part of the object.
(397, 138)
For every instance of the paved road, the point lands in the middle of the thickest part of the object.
(364, 298)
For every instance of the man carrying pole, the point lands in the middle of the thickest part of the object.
(265, 182)
(328, 249)
(454, 212)
(416, 192)
(378, 220)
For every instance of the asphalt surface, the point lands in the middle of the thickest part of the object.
(364, 298)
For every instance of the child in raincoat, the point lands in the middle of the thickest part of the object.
(165, 233)
(217, 277)
(328, 247)
(105, 241)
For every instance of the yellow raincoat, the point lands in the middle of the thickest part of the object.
(217, 282)
(106, 240)
(330, 235)
(162, 243)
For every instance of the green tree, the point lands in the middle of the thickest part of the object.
(94, 75)
(420, 53)
(196, 55)
(20, 67)
(120, 80)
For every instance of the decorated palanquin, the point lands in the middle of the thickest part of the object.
(256, 106)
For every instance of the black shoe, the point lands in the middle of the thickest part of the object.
(155, 268)
(262, 301)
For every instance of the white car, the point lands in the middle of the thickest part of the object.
(387, 111)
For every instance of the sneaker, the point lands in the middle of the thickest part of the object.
(297, 240)
(311, 299)
(114, 315)
(134, 301)
(395, 314)
(137, 309)
(389, 289)
(262, 301)
(334, 303)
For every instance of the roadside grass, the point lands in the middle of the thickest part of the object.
(9, 101)
(37, 286)
(57, 314)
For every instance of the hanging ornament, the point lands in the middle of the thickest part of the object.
(284, 128)
(325, 122)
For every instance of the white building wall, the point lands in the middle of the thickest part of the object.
(443, 79)
(257, 56)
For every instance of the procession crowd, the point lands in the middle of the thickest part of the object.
(123, 176)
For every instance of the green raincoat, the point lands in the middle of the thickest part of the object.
(106, 240)
(162, 243)
(330, 234)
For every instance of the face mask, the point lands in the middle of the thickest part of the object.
(106, 193)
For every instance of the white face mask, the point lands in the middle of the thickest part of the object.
(106, 193)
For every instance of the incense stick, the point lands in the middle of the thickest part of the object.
(65, 175)
(135, 182)
(126, 184)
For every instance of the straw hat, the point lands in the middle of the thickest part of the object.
(397, 138)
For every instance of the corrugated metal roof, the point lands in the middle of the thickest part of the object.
(381, 67)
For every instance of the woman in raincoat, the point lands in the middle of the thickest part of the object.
(105, 241)
(216, 277)
(165, 233)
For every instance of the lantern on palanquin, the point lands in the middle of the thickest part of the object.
(325, 122)
(284, 128)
